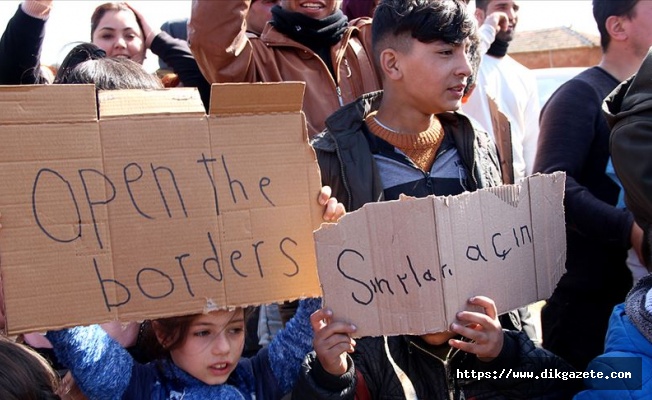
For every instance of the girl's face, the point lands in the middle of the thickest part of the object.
(213, 346)
(119, 35)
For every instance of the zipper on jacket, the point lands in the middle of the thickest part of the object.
(453, 385)
(335, 79)
(339, 95)
(345, 183)
(446, 364)
(429, 185)
(348, 69)
(468, 151)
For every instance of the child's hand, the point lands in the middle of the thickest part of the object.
(483, 329)
(332, 341)
(332, 209)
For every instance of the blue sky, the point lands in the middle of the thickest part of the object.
(69, 20)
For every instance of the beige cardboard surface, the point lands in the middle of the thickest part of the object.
(155, 209)
(406, 267)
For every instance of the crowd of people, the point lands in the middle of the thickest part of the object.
(414, 97)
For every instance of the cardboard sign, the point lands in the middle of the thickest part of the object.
(407, 267)
(154, 209)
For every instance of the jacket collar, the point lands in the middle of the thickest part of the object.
(631, 96)
(272, 37)
(350, 118)
(347, 121)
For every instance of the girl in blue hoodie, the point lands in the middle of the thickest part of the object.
(202, 359)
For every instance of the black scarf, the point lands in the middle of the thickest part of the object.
(498, 48)
(319, 35)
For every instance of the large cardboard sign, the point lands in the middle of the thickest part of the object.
(408, 266)
(153, 209)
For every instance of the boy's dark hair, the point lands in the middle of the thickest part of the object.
(87, 63)
(397, 21)
(474, 59)
(25, 374)
(603, 9)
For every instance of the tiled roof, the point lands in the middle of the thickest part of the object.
(562, 37)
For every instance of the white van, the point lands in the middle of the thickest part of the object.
(549, 79)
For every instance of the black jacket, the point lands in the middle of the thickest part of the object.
(345, 153)
(434, 379)
(628, 110)
(574, 137)
(176, 54)
(20, 50)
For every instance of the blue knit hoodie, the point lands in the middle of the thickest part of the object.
(629, 336)
(104, 370)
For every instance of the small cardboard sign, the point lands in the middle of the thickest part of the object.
(408, 266)
(153, 209)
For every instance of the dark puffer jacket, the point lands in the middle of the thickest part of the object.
(435, 379)
(347, 162)
(628, 110)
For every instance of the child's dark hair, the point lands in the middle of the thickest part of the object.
(81, 52)
(25, 374)
(474, 59)
(87, 63)
(173, 329)
(427, 21)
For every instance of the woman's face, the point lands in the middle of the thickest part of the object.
(119, 35)
(213, 346)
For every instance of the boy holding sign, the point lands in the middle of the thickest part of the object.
(475, 358)
(409, 139)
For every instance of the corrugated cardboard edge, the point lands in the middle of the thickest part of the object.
(510, 194)
(45, 104)
(238, 99)
(40, 105)
(549, 267)
(140, 102)
(256, 98)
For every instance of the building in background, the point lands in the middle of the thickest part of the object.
(556, 47)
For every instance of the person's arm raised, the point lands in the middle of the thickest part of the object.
(217, 34)
(20, 46)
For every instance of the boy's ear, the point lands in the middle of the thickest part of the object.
(390, 64)
(615, 27)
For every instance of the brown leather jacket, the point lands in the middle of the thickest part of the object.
(225, 53)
